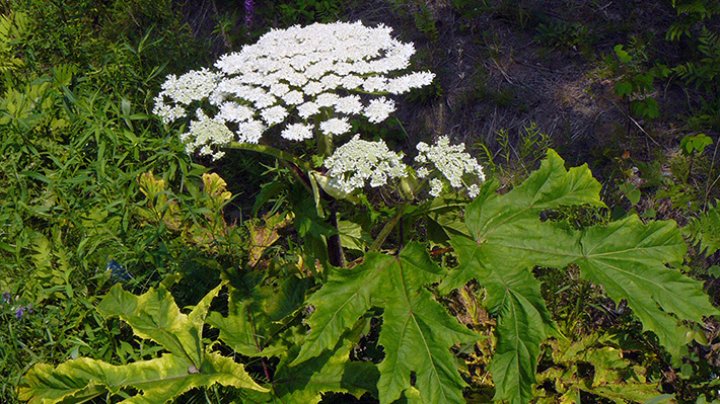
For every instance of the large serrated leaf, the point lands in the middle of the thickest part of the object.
(159, 379)
(627, 257)
(153, 315)
(331, 371)
(416, 334)
(257, 311)
(513, 294)
(551, 186)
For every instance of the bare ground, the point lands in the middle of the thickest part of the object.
(495, 72)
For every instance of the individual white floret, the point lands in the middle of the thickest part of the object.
(335, 126)
(204, 132)
(331, 81)
(279, 89)
(473, 191)
(297, 132)
(358, 162)
(379, 109)
(351, 82)
(350, 105)
(274, 115)
(293, 97)
(233, 112)
(317, 70)
(308, 109)
(327, 99)
(375, 84)
(166, 112)
(313, 88)
(264, 100)
(250, 132)
(403, 84)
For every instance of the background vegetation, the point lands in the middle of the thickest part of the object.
(98, 192)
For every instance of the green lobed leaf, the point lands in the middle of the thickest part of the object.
(524, 320)
(627, 257)
(159, 379)
(612, 376)
(416, 334)
(257, 311)
(155, 316)
(331, 371)
(507, 229)
(237, 331)
(520, 331)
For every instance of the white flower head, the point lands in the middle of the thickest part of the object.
(232, 112)
(205, 133)
(452, 163)
(167, 113)
(191, 86)
(308, 109)
(274, 115)
(379, 109)
(345, 69)
(250, 132)
(349, 105)
(436, 187)
(335, 126)
(293, 97)
(358, 161)
(297, 132)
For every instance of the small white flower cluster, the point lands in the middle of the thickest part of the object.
(358, 160)
(311, 77)
(459, 168)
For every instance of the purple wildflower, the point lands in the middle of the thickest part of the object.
(6, 297)
(249, 12)
(20, 312)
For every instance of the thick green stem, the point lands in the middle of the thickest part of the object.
(387, 229)
(300, 169)
(335, 251)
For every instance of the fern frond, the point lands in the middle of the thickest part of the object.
(704, 231)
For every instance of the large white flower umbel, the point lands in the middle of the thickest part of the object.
(310, 80)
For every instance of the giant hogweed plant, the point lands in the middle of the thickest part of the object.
(375, 325)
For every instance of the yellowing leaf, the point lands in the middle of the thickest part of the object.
(264, 236)
(160, 379)
(155, 316)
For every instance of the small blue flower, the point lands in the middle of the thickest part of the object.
(20, 312)
(117, 271)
